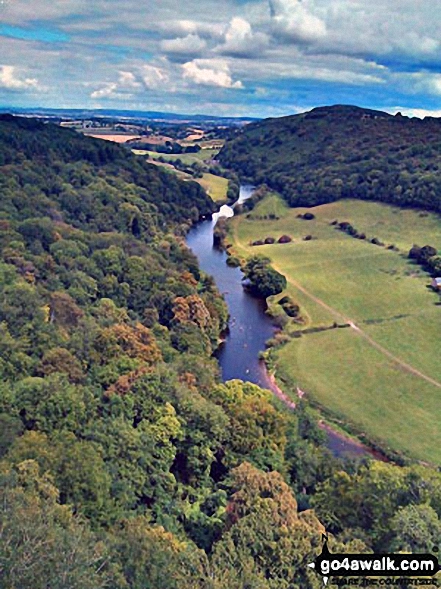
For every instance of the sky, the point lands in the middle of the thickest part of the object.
(257, 58)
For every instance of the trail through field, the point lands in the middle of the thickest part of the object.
(363, 334)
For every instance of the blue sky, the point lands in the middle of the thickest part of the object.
(226, 57)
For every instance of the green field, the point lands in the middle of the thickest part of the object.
(186, 158)
(382, 376)
(215, 186)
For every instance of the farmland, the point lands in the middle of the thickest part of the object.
(380, 375)
(186, 158)
(215, 186)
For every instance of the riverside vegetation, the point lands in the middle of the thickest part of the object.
(124, 461)
(370, 275)
(381, 377)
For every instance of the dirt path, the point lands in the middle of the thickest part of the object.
(363, 334)
(341, 316)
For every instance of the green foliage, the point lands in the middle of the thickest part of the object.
(43, 544)
(262, 278)
(339, 152)
(406, 517)
(124, 462)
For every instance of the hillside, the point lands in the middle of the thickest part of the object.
(120, 449)
(40, 164)
(124, 461)
(342, 152)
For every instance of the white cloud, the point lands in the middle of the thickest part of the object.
(10, 80)
(292, 21)
(192, 27)
(191, 44)
(399, 28)
(414, 112)
(121, 89)
(154, 77)
(129, 83)
(128, 80)
(419, 82)
(241, 40)
(109, 90)
(210, 72)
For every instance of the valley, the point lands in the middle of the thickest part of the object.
(379, 375)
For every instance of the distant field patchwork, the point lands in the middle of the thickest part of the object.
(382, 375)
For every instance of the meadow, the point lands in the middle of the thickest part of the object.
(381, 375)
(186, 158)
(215, 186)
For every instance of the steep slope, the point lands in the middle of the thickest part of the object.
(124, 462)
(340, 152)
(42, 164)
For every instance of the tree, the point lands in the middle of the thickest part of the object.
(263, 279)
(154, 558)
(42, 543)
(62, 361)
(52, 403)
(415, 528)
(64, 311)
(265, 530)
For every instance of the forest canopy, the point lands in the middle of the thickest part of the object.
(342, 152)
(125, 462)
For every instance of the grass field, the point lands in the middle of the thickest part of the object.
(186, 158)
(383, 374)
(215, 186)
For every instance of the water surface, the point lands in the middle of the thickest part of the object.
(249, 326)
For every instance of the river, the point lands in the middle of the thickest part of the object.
(249, 326)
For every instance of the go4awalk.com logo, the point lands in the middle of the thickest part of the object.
(374, 565)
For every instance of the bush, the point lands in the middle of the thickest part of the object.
(269, 240)
(284, 239)
(291, 308)
(308, 217)
(233, 261)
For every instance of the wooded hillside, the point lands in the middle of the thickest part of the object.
(124, 461)
(342, 152)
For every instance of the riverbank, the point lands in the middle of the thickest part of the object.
(250, 326)
(379, 375)
(339, 443)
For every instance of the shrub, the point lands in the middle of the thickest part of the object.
(284, 239)
(269, 240)
(233, 261)
(289, 306)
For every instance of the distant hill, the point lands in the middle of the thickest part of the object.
(342, 152)
(127, 115)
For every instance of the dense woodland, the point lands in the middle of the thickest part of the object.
(124, 461)
(342, 152)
